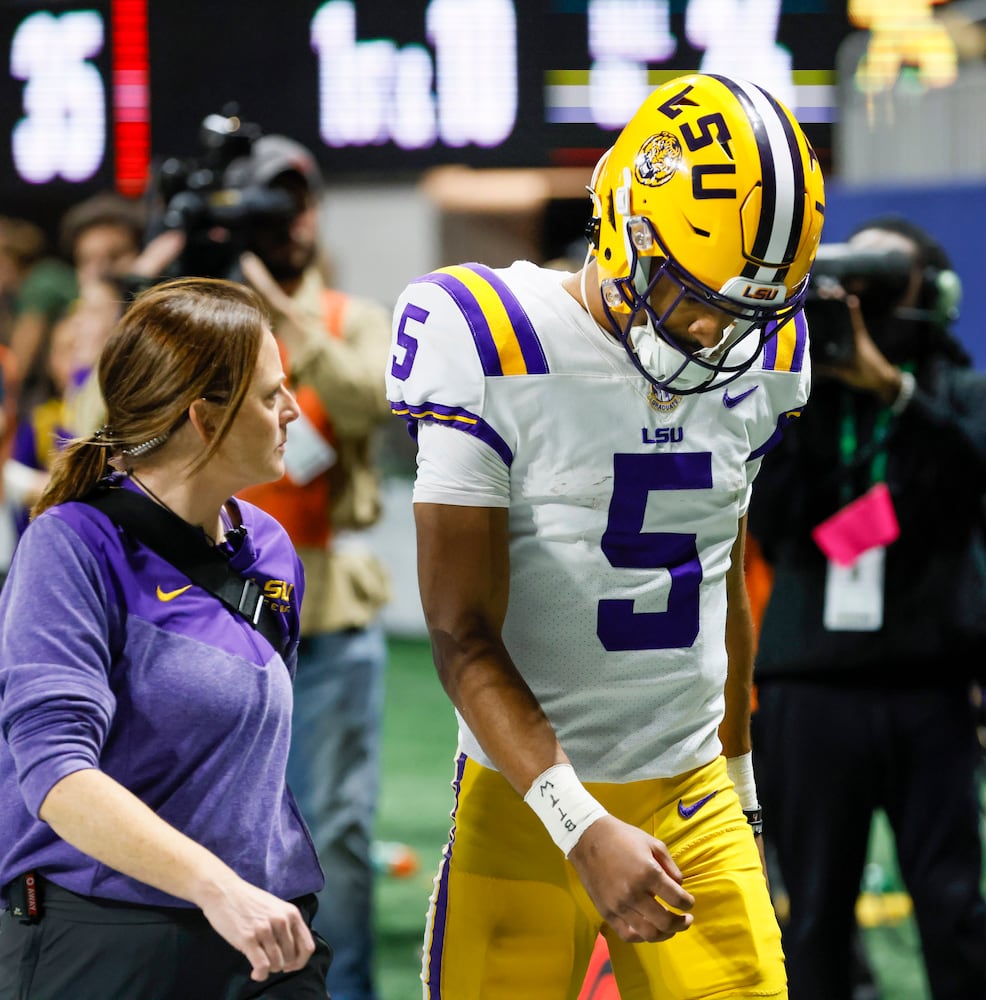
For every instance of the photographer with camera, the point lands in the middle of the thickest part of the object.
(334, 347)
(871, 512)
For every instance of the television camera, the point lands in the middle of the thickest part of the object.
(879, 278)
(212, 199)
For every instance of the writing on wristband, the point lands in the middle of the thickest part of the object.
(563, 805)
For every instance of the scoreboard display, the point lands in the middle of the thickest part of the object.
(93, 94)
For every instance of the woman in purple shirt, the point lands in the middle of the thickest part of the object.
(149, 846)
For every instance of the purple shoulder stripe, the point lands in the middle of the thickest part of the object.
(527, 339)
(800, 341)
(478, 325)
(784, 349)
(775, 439)
(452, 416)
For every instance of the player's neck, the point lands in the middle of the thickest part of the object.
(583, 286)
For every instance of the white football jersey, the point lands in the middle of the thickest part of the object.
(623, 503)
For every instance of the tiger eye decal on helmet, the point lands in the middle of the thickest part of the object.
(713, 187)
(658, 159)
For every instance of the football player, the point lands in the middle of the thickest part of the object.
(586, 448)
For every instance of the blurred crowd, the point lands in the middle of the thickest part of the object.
(58, 303)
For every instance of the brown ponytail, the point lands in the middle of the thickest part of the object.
(75, 471)
(180, 341)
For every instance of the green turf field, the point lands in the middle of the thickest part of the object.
(419, 744)
(416, 797)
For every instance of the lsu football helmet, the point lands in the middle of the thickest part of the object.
(714, 187)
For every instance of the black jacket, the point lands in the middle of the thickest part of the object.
(935, 588)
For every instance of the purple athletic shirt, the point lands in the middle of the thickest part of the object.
(110, 660)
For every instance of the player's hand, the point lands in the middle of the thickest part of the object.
(630, 876)
(270, 932)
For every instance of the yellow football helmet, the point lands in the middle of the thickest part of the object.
(713, 185)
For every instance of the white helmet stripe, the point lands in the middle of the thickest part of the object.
(782, 199)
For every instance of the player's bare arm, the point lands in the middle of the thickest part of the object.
(734, 732)
(463, 569)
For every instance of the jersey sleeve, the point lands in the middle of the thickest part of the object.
(458, 469)
(786, 376)
(452, 332)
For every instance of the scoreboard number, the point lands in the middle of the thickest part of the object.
(63, 131)
(376, 91)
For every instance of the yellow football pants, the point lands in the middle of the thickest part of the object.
(509, 919)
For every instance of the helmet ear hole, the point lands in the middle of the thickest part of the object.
(592, 228)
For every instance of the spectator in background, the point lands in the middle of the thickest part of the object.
(95, 312)
(68, 401)
(99, 236)
(864, 671)
(39, 289)
(102, 235)
(334, 347)
(101, 300)
(44, 428)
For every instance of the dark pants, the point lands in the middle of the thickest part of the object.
(88, 949)
(827, 758)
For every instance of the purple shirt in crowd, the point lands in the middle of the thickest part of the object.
(110, 660)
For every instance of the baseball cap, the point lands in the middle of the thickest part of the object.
(273, 155)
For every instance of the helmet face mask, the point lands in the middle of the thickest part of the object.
(711, 196)
(645, 328)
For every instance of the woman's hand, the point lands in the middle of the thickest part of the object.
(101, 818)
(271, 933)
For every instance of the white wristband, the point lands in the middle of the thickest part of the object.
(739, 770)
(563, 805)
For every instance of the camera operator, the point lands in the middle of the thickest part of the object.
(334, 348)
(870, 650)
